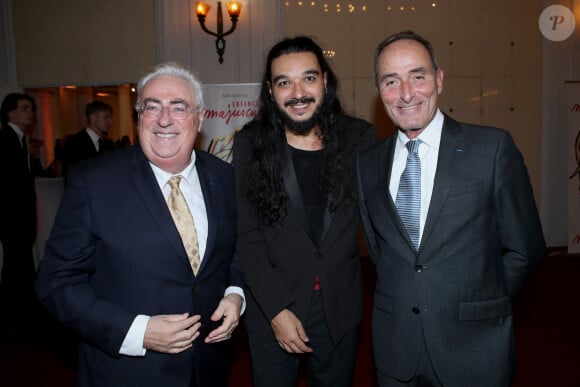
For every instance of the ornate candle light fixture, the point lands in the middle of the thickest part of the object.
(234, 8)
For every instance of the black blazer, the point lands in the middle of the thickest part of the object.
(482, 240)
(77, 147)
(114, 252)
(281, 262)
(17, 195)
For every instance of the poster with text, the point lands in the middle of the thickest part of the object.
(228, 108)
(573, 151)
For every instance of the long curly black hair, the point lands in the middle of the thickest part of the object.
(264, 181)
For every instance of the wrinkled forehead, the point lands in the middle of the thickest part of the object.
(405, 52)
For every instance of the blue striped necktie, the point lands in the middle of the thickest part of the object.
(408, 200)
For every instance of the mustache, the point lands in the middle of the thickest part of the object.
(296, 101)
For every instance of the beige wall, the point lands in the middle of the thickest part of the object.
(490, 52)
(83, 42)
(498, 68)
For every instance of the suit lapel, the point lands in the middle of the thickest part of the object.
(147, 187)
(209, 194)
(450, 151)
(386, 162)
(293, 190)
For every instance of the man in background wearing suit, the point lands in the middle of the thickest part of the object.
(90, 141)
(298, 221)
(17, 213)
(453, 230)
(154, 299)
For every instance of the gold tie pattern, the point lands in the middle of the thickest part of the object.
(184, 222)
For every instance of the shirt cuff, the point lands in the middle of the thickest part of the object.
(239, 291)
(133, 342)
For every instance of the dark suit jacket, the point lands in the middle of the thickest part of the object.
(114, 252)
(482, 239)
(17, 195)
(78, 147)
(281, 262)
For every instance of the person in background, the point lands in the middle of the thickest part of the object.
(451, 224)
(36, 166)
(92, 140)
(298, 221)
(141, 260)
(125, 141)
(17, 214)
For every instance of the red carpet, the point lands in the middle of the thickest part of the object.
(547, 316)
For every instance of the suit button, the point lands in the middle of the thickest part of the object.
(418, 268)
(415, 310)
(318, 255)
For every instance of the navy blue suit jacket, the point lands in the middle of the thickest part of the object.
(114, 252)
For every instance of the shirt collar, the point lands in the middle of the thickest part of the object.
(16, 129)
(163, 176)
(431, 136)
(93, 135)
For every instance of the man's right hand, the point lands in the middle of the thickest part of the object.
(171, 333)
(289, 332)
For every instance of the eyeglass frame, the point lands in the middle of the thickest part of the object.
(173, 104)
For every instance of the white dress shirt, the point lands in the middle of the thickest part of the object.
(17, 130)
(191, 189)
(94, 137)
(428, 154)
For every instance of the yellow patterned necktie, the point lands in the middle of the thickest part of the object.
(184, 222)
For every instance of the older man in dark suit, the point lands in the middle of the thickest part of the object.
(141, 260)
(453, 228)
(17, 213)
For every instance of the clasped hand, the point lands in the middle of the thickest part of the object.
(174, 333)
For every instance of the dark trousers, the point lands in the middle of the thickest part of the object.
(17, 297)
(329, 365)
(425, 375)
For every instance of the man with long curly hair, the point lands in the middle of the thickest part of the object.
(298, 221)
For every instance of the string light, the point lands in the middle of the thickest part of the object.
(329, 53)
(356, 6)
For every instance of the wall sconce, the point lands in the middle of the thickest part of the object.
(234, 9)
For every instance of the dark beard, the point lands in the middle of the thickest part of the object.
(300, 127)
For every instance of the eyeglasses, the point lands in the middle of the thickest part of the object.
(179, 111)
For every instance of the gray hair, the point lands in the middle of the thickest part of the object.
(176, 70)
(404, 35)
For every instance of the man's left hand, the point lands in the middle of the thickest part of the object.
(229, 310)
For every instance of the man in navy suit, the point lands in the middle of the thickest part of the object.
(17, 213)
(116, 269)
(445, 277)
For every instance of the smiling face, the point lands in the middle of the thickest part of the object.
(297, 87)
(408, 85)
(166, 141)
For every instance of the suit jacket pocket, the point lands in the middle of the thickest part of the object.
(465, 188)
(483, 310)
(383, 303)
